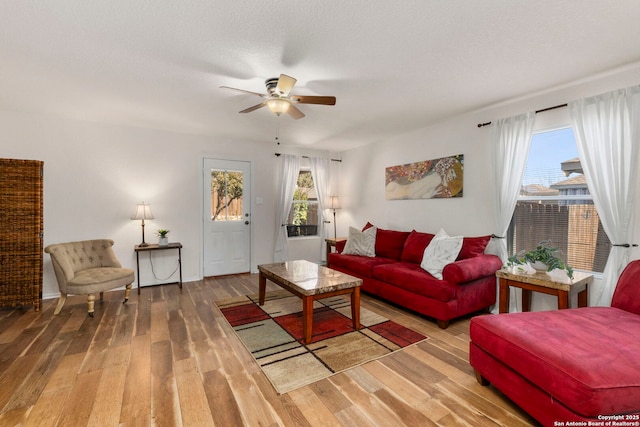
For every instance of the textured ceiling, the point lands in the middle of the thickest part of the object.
(392, 65)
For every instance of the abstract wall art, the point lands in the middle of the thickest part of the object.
(428, 179)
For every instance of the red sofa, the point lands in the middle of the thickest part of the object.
(575, 365)
(468, 285)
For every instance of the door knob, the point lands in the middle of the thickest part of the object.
(246, 223)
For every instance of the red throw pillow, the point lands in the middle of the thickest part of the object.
(473, 246)
(390, 243)
(414, 246)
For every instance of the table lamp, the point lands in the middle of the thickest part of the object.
(142, 212)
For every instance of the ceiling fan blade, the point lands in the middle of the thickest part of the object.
(295, 113)
(245, 91)
(285, 84)
(254, 108)
(322, 100)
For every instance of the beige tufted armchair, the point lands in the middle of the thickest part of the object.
(86, 268)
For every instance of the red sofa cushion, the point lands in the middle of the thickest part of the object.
(473, 246)
(413, 278)
(389, 243)
(585, 358)
(359, 265)
(414, 246)
(625, 297)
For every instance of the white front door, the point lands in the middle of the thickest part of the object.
(227, 217)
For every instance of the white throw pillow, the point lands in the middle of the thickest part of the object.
(442, 250)
(361, 242)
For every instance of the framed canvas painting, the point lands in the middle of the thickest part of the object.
(428, 179)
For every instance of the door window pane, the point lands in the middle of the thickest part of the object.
(226, 195)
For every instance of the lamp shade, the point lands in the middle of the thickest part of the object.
(143, 211)
(334, 202)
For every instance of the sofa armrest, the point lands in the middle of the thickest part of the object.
(470, 269)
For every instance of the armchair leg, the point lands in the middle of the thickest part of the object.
(101, 296)
(127, 292)
(61, 300)
(91, 299)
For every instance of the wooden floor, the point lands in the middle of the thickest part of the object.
(169, 358)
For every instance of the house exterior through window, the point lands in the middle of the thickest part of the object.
(303, 216)
(555, 204)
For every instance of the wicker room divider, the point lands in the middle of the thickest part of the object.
(21, 228)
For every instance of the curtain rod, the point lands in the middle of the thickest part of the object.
(537, 111)
(306, 157)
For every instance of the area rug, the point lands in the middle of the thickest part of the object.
(273, 335)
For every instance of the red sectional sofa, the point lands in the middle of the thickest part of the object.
(568, 367)
(468, 285)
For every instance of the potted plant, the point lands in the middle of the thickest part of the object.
(163, 239)
(542, 259)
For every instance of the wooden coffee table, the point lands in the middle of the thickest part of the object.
(310, 282)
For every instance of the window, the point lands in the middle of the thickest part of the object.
(303, 216)
(554, 203)
(226, 195)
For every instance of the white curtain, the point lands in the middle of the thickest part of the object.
(607, 131)
(320, 172)
(510, 142)
(288, 177)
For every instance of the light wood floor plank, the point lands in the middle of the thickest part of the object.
(312, 408)
(168, 357)
(14, 417)
(165, 406)
(79, 403)
(159, 321)
(193, 399)
(136, 399)
(108, 403)
(222, 403)
(376, 411)
(47, 409)
(64, 374)
(407, 391)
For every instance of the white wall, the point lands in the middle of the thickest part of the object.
(95, 174)
(363, 169)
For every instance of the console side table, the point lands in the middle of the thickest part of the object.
(331, 243)
(542, 282)
(155, 247)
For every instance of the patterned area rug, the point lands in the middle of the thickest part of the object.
(273, 335)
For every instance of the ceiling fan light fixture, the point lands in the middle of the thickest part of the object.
(278, 105)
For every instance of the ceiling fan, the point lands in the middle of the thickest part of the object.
(279, 100)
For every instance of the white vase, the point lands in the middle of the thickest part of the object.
(163, 241)
(540, 267)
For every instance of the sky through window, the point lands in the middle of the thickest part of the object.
(548, 150)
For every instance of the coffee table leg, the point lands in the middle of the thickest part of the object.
(307, 318)
(262, 286)
(355, 308)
